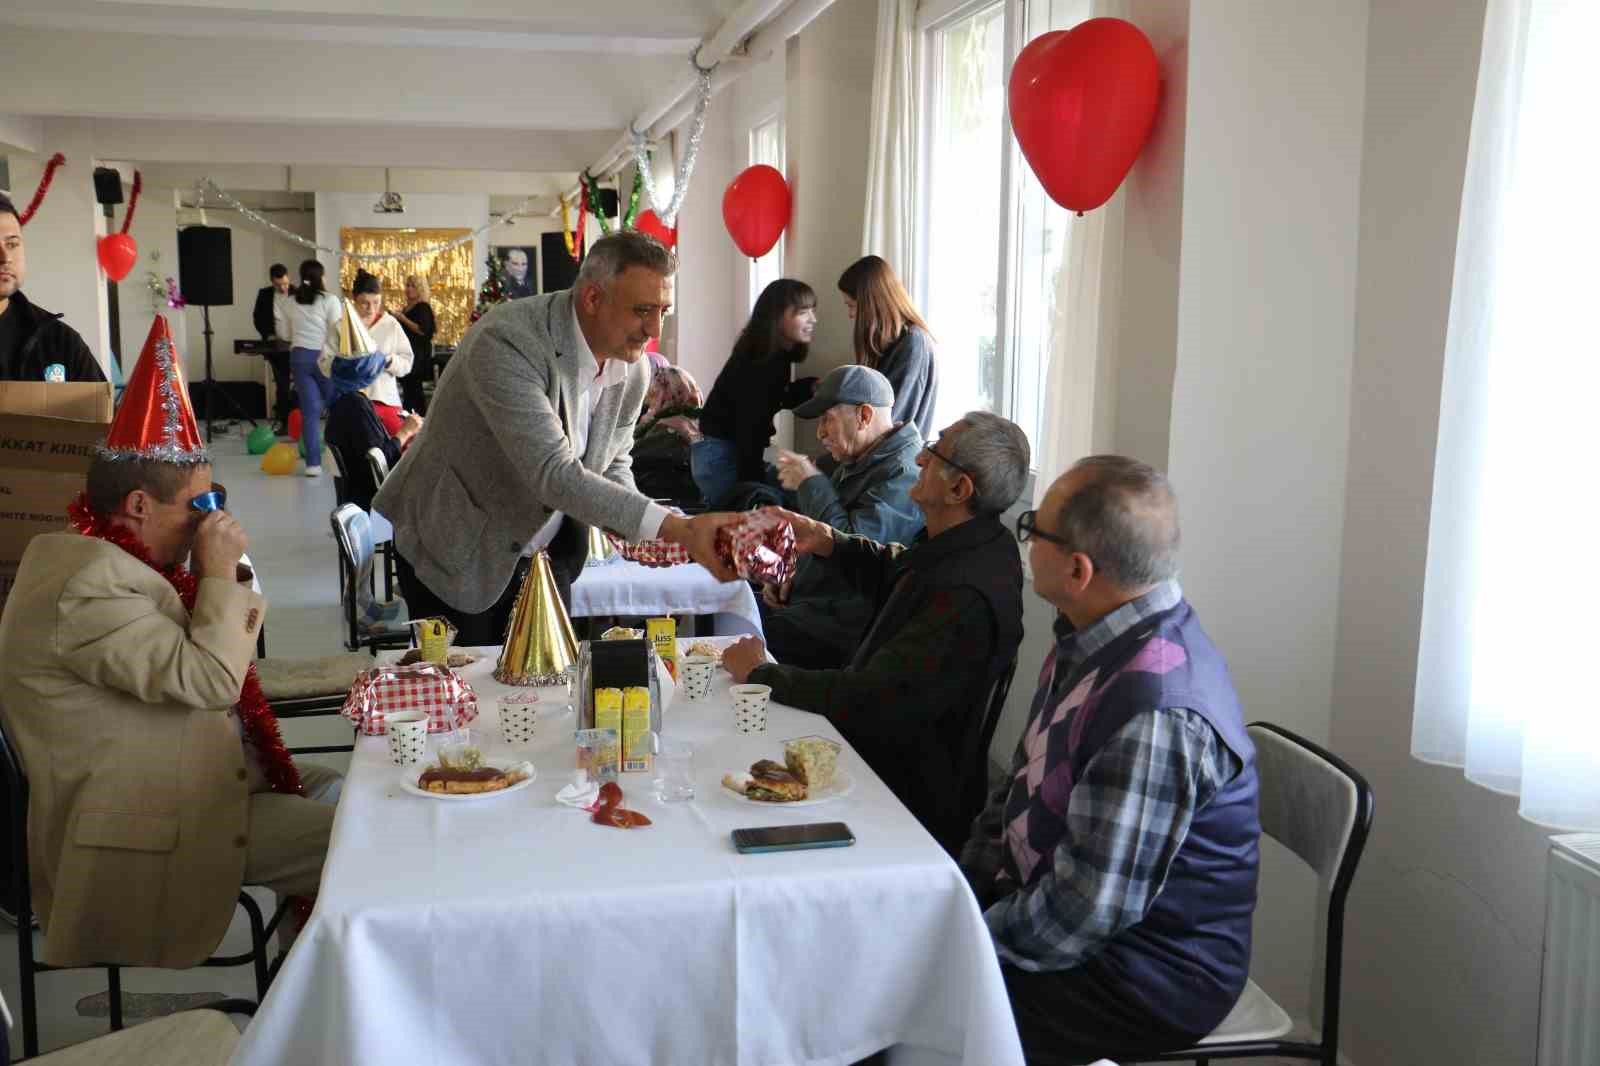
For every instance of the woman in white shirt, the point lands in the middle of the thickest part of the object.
(313, 326)
(388, 337)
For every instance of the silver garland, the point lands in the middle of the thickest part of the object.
(206, 186)
(169, 450)
(697, 129)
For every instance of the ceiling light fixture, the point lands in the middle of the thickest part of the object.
(390, 202)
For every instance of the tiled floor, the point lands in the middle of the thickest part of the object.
(293, 551)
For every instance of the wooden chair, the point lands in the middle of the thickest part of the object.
(201, 1037)
(28, 968)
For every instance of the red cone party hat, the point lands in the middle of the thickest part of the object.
(155, 420)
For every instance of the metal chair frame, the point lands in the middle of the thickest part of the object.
(349, 569)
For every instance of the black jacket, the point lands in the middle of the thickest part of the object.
(45, 340)
(746, 396)
(261, 317)
(353, 428)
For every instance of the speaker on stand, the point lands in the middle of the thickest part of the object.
(205, 276)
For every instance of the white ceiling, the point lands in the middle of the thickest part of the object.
(521, 86)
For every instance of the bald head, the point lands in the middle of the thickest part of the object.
(1123, 514)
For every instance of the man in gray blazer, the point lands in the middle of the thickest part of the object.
(532, 428)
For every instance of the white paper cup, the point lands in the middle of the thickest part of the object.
(697, 673)
(518, 714)
(750, 707)
(408, 737)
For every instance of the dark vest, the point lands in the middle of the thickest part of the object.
(939, 775)
(1188, 959)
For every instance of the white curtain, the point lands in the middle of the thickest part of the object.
(1080, 385)
(1511, 572)
(891, 148)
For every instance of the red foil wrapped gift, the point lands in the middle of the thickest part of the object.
(448, 701)
(759, 547)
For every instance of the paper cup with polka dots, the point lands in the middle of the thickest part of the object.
(697, 672)
(518, 713)
(408, 737)
(750, 707)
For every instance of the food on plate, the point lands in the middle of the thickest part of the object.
(705, 647)
(767, 782)
(622, 633)
(812, 759)
(458, 782)
(455, 659)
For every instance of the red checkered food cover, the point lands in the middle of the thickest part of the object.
(448, 700)
(760, 547)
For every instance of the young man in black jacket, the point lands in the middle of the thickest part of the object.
(35, 345)
(272, 330)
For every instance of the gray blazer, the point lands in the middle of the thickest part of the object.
(496, 454)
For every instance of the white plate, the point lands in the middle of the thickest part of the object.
(408, 782)
(843, 784)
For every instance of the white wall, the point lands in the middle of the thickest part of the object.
(710, 269)
(155, 230)
(1446, 921)
(1260, 406)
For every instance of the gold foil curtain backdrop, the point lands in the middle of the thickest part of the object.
(450, 274)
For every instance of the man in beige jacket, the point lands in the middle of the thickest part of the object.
(148, 809)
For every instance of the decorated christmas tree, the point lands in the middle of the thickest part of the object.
(493, 290)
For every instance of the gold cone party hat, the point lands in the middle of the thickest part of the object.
(539, 643)
(354, 340)
(600, 546)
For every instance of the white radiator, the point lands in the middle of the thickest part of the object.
(1569, 998)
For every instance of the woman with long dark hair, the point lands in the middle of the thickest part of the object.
(313, 326)
(892, 338)
(736, 421)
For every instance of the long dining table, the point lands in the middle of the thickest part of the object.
(512, 929)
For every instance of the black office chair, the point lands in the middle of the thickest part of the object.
(1321, 809)
(352, 531)
(16, 783)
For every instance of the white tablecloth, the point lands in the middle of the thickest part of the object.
(625, 588)
(513, 930)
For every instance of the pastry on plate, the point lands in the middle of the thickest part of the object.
(706, 648)
(812, 759)
(459, 782)
(767, 782)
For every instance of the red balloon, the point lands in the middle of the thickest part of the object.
(1082, 102)
(295, 421)
(117, 253)
(755, 208)
(650, 222)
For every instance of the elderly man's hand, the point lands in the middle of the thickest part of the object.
(699, 535)
(793, 468)
(777, 595)
(810, 536)
(218, 544)
(743, 656)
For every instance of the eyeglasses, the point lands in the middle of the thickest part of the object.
(928, 449)
(214, 500)
(1028, 528)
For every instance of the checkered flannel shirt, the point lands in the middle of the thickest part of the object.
(1127, 816)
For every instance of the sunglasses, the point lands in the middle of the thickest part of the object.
(928, 448)
(1028, 528)
(214, 500)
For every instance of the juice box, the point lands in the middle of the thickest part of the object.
(635, 729)
(608, 710)
(663, 634)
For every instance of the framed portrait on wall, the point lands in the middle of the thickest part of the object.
(519, 268)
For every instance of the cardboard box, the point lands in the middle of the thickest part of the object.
(48, 436)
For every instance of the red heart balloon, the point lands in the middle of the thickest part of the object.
(755, 208)
(117, 253)
(1082, 102)
(650, 222)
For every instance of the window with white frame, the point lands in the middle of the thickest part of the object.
(766, 146)
(989, 240)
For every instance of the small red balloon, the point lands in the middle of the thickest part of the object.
(1082, 102)
(650, 222)
(117, 253)
(294, 424)
(755, 208)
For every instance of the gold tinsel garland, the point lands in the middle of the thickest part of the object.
(449, 273)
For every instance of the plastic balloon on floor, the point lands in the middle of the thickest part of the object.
(260, 439)
(301, 444)
(280, 459)
(294, 424)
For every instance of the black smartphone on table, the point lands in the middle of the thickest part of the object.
(793, 837)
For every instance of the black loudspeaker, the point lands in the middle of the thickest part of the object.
(205, 265)
(559, 269)
(107, 185)
(608, 202)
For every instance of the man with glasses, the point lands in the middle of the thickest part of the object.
(816, 619)
(158, 780)
(947, 623)
(1117, 864)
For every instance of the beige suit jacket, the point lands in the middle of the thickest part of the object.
(121, 708)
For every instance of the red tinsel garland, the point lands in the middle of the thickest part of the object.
(50, 168)
(133, 200)
(583, 214)
(260, 724)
